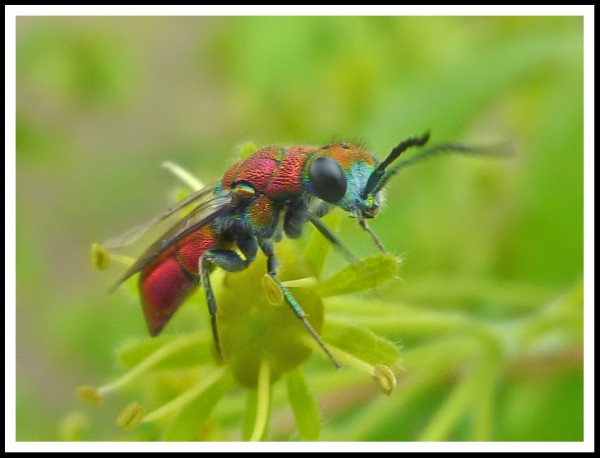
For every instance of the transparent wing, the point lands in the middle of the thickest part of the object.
(207, 212)
(133, 235)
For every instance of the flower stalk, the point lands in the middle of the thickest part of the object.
(262, 402)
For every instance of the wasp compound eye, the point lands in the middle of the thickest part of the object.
(328, 179)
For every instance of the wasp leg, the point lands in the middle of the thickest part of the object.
(272, 263)
(329, 235)
(295, 218)
(363, 224)
(227, 260)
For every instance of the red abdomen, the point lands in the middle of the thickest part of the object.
(167, 281)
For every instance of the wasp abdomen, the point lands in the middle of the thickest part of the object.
(170, 279)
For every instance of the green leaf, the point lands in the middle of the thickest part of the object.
(361, 343)
(175, 351)
(249, 413)
(304, 406)
(399, 319)
(186, 425)
(366, 274)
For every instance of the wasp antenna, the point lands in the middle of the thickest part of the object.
(379, 172)
(500, 150)
(414, 141)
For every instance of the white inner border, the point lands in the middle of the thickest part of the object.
(11, 12)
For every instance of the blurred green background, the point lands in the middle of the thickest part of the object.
(102, 101)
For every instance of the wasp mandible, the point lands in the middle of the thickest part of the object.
(274, 191)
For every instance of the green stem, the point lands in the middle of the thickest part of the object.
(426, 366)
(379, 412)
(179, 402)
(483, 405)
(451, 411)
(123, 259)
(263, 401)
(156, 357)
(183, 175)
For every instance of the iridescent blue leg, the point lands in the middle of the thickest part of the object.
(294, 221)
(267, 247)
(227, 260)
(329, 235)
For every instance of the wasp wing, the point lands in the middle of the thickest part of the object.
(134, 234)
(207, 212)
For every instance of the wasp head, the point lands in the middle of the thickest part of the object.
(351, 178)
(339, 175)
